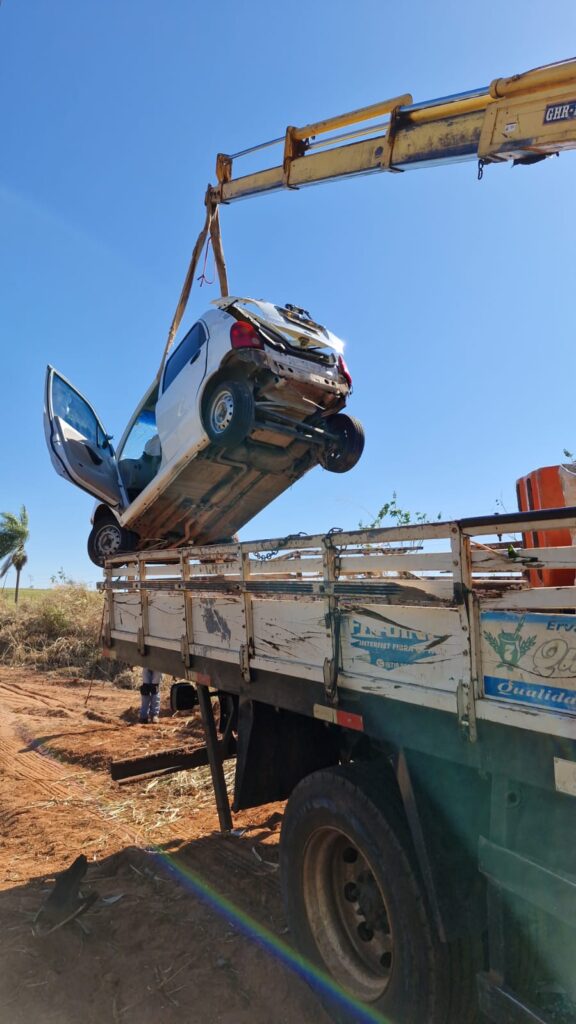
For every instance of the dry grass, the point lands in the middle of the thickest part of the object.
(165, 800)
(59, 630)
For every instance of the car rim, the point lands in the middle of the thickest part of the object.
(108, 541)
(221, 412)
(347, 914)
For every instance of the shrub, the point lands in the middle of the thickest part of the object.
(60, 629)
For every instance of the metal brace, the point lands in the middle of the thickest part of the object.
(331, 667)
(107, 633)
(466, 710)
(141, 642)
(185, 651)
(245, 663)
(247, 649)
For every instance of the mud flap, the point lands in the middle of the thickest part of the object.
(276, 749)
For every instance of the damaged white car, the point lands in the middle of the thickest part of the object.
(247, 402)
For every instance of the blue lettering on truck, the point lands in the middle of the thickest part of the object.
(542, 696)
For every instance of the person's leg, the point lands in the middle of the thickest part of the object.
(155, 705)
(147, 678)
(155, 698)
(144, 708)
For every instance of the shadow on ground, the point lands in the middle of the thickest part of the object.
(160, 943)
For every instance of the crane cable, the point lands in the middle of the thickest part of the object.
(211, 227)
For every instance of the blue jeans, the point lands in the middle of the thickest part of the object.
(150, 703)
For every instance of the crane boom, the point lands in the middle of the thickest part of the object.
(523, 118)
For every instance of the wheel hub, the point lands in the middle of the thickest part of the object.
(222, 412)
(347, 914)
(109, 541)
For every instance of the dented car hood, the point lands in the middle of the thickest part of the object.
(295, 324)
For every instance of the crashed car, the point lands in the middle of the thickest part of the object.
(247, 402)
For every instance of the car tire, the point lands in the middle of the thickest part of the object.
(342, 451)
(228, 412)
(108, 538)
(357, 908)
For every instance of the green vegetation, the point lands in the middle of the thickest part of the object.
(392, 515)
(56, 629)
(25, 594)
(14, 534)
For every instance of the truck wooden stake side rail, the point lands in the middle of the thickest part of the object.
(413, 697)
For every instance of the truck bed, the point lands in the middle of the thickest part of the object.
(439, 615)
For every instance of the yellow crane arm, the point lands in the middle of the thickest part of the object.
(524, 118)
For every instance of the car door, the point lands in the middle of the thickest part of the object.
(79, 446)
(177, 414)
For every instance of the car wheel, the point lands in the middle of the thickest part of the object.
(356, 907)
(229, 412)
(107, 538)
(343, 450)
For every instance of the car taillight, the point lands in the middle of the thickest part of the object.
(344, 371)
(244, 335)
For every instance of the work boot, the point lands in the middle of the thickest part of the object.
(155, 720)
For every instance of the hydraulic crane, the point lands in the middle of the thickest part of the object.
(522, 119)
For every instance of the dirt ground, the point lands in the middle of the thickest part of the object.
(186, 919)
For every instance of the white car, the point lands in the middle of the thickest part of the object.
(242, 407)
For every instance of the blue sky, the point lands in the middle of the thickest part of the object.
(455, 297)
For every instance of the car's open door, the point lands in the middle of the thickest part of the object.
(79, 446)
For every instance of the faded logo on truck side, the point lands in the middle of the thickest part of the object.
(392, 645)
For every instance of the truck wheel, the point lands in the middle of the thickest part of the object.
(357, 909)
(343, 451)
(107, 538)
(228, 413)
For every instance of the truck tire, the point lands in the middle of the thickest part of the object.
(356, 906)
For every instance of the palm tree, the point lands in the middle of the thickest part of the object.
(14, 534)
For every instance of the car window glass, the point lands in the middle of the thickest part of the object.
(143, 430)
(71, 407)
(187, 348)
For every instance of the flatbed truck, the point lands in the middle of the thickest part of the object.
(412, 696)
